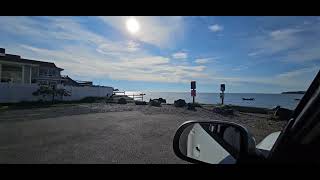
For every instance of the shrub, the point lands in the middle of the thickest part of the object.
(122, 101)
(91, 99)
(140, 103)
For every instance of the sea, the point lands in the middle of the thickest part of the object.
(260, 100)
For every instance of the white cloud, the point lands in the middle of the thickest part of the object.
(298, 73)
(255, 53)
(180, 55)
(216, 28)
(288, 45)
(240, 68)
(284, 34)
(91, 55)
(303, 55)
(203, 60)
(159, 31)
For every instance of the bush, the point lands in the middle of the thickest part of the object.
(155, 103)
(91, 99)
(122, 101)
(180, 103)
(140, 103)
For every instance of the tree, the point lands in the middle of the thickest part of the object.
(50, 91)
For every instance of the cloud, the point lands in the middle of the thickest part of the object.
(283, 34)
(255, 53)
(303, 55)
(87, 55)
(88, 64)
(158, 31)
(216, 28)
(290, 45)
(180, 55)
(240, 68)
(298, 72)
(203, 60)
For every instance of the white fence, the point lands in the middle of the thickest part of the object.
(10, 92)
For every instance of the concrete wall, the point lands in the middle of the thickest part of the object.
(78, 93)
(10, 92)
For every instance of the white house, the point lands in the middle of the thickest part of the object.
(20, 77)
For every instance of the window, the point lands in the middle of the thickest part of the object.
(43, 71)
(11, 74)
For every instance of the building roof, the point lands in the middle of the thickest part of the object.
(18, 59)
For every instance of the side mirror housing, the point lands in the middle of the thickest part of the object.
(213, 142)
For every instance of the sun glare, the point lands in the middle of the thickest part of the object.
(133, 25)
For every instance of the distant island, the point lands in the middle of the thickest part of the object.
(294, 92)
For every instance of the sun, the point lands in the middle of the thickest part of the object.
(133, 25)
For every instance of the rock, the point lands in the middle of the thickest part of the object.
(180, 103)
(191, 106)
(140, 103)
(122, 101)
(161, 100)
(283, 114)
(155, 103)
(223, 111)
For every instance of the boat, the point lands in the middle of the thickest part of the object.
(297, 99)
(248, 99)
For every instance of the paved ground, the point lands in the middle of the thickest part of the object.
(106, 133)
(113, 137)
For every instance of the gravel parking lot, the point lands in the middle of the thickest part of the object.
(105, 133)
(114, 137)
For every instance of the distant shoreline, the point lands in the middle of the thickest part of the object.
(294, 92)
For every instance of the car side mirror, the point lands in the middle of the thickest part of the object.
(213, 142)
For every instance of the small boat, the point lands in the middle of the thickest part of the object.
(248, 99)
(297, 99)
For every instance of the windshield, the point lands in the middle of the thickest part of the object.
(115, 89)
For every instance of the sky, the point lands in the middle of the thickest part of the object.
(248, 54)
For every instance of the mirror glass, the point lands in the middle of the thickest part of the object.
(212, 143)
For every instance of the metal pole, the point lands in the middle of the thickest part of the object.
(193, 99)
(222, 99)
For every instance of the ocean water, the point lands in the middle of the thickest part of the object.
(261, 100)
